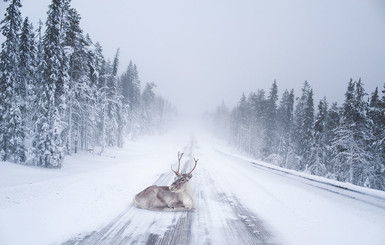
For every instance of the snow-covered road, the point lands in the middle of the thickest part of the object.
(219, 217)
(238, 201)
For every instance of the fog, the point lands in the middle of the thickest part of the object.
(200, 53)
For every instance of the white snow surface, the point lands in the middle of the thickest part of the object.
(51, 206)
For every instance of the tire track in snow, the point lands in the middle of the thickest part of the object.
(247, 227)
(223, 219)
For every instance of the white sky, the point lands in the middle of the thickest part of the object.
(200, 52)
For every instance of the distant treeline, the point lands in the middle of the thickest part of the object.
(345, 143)
(59, 95)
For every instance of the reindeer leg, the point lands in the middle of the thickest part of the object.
(177, 204)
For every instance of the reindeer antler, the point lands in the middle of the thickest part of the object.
(196, 161)
(179, 158)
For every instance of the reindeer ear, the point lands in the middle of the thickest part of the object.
(189, 176)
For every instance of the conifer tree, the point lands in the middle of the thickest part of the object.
(243, 119)
(332, 122)
(102, 95)
(270, 134)
(80, 93)
(50, 122)
(12, 89)
(308, 127)
(131, 96)
(256, 121)
(27, 65)
(59, 91)
(303, 128)
(317, 161)
(381, 125)
(112, 102)
(352, 158)
(27, 71)
(377, 115)
(345, 143)
(285, 124)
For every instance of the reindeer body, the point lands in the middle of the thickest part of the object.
(161, 198)
(176, 197)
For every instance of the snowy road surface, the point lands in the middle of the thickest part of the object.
(237, 202)
(218, 218)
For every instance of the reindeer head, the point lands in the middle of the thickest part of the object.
(180, 180)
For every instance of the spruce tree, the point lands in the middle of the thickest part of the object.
(102, 94)
(80, 97)
(130, 84)
(377, 115)
(257, 111)
(244, 137)
(332, 122)
(113, 101)
(308, 127)
(303, 128)
(50, 123)
(12, 89)
(353, 160)
(270, 133)
(318, 159)
(28, 70)
(285, 124)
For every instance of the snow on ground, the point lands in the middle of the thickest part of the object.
(295, 209)
(46, 206)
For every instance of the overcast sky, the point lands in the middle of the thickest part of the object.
(200, 52)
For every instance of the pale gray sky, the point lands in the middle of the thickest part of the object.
(200, 52)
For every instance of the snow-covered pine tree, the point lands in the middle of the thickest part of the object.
(332, 122)
(256, 118)
(285, 125)
(50, 121)
(27, 69)
(12, 89)
(112, 102)
(120, 117)
(308, 128)
(352, 158)
(243, 122)
(303, 128)
(317, 161)
(381, 137)
(380, 142)
(233, 138)
(365, 138)
(91, 98)
(102, 68)
(270, 122)
(80, 99)
(130, 84)
(377, 115)
(106, 79)
(39, 49)
(343, 142)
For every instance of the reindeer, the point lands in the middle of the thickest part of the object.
(176, 197)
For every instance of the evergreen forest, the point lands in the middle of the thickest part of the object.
(344, 143)
(59, 95)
